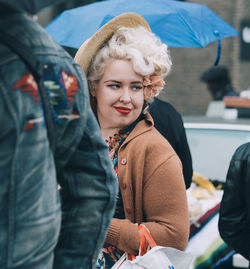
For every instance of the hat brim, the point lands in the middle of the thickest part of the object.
(90, 47)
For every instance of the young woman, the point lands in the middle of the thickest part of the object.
(125, 65)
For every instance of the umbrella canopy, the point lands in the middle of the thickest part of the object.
(178, 24)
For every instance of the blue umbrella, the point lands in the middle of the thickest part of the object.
(178, 24)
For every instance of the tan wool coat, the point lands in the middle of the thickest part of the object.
(153, 191)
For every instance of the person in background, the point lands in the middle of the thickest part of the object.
(124, 74)
(42, 227)
(169, 123)
(234, 217)
(218, 82)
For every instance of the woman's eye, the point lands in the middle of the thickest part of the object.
(137, 87)
(114, 86)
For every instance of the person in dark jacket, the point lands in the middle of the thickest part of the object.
(234, 220)
(218, 82)
(169, 123)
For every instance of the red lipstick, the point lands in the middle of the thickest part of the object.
(123, 110)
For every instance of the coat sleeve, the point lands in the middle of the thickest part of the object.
(165, 204)
(234, 217)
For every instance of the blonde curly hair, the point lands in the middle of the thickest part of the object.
(148, 55)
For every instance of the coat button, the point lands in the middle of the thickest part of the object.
(129, 210)
(124, 161)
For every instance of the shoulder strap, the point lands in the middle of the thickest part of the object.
(36, 68)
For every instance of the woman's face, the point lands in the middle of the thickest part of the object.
(119, 95)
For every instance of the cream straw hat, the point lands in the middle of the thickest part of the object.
(90, 47)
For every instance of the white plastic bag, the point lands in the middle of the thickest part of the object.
(157, 257)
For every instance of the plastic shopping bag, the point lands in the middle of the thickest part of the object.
(157, 257)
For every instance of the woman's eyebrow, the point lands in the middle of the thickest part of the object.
(111, 80)
(136, 82)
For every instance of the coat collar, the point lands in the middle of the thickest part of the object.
(142, 126)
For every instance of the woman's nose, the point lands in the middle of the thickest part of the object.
(125, 96)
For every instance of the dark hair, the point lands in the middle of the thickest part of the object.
(217, 74)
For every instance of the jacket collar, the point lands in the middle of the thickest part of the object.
(142, 126)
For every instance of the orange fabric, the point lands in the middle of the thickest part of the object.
(143, 243)
(145, 237)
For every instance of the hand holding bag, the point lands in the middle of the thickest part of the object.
(157, 257)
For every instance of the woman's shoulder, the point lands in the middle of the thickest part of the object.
(156, 140)
(146, 137)
(153, 142)
(155, 136)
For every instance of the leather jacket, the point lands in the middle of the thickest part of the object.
(234, 220)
